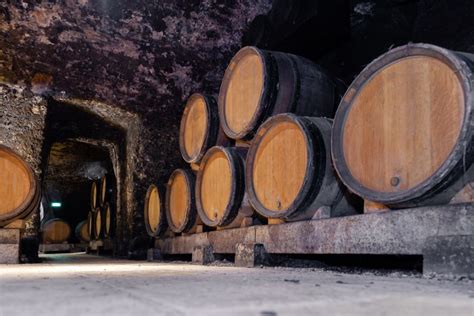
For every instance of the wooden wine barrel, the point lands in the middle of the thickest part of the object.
(180, 202)
(55, 231)
(95, 195)
(90, 225)
(20, 192)
(105, 190)
(154, 211)
(199, 129)
(82, 231)
(108, 220)
(260, 83)
(403, 134)
(220, 185)
(288, 169)
(98, 224)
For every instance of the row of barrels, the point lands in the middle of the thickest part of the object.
(20, 191)
(100, 222)
(101, 191)
(401, 135)
(101, 215)
(58, 231)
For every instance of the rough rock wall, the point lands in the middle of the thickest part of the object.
(143, 56)
(22, 119)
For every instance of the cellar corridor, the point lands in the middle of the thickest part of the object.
(91, 285)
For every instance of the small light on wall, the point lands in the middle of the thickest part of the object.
(56, 204)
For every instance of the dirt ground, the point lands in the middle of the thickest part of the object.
(80, 284)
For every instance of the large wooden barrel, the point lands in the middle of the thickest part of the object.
(220, 185)
(199, 129)
(55, 231)
(154, 211)
(260, 83)
(20, 192)
(95, 192)
(180, 202)
(403, 134)
(288, 169)
(82, 232)
(98, 224)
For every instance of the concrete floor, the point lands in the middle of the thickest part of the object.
(79, 284)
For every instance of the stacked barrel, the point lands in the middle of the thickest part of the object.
(20, 192)
(401, 136)
(282, 104)
(100, 220)
(221, 141)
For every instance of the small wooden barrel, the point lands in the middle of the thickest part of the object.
(95, 188)
(98, 224)
(82, 231)
(105, 190)
(403, 134)
(154, 211)
(108, 220)
(20, 192)
(55, 231)
(259, 83)
(199, 127)
(220, 185)
(180, 204)
(288, 168)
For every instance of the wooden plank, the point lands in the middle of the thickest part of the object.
(47, 248)
(9, 236)
(182, 244)
(465, 195)
(225, 241)
(275, 221)
(398, 232)
(372, 207)
(19, 223)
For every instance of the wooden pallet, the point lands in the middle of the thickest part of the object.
(403, 232)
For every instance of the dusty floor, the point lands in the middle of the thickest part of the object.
(78, 284)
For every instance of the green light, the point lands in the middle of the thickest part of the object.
(56, 204)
